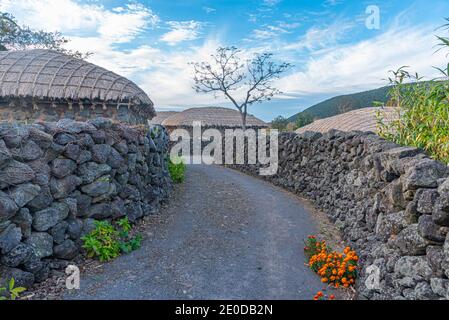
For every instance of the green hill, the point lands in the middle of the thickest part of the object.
(345, 103)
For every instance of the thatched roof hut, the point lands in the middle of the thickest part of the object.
(161, 116)
(357, 120)
(39, 78)
(212, 117)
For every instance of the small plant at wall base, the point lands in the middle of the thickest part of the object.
(11, 292)
(334, 268)
(106, 241)
(177, 169)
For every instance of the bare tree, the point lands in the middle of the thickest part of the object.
(227, 74)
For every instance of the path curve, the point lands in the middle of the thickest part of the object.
(224, 235)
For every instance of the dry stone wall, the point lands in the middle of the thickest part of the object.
(25, 112)
(390, 202)
(57, 177)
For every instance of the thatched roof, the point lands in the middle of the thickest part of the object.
(356, 120)
(161, 116)
(212, 116)
(50, 75)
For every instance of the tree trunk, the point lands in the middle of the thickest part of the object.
(243, 114)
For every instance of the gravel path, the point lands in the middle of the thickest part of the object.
(224, 235)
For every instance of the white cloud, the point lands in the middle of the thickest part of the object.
(363, 65)
(120, 24)
(209, 9)
(321, 37)
(182, 31)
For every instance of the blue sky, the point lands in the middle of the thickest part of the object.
(332, 50)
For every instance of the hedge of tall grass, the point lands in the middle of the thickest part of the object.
(423, 108)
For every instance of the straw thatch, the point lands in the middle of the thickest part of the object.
(212, 117)
(50, 75)
(356, 120)
(161, 116)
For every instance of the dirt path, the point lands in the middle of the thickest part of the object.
(224, 235)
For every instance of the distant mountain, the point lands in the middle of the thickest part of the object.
(345, 103)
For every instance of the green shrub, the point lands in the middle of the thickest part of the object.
(106, 241)
(102, 242)
(11, 292)
(177, 169)
(423, 112)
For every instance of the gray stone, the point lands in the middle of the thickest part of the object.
(99, 136)
(121, 147)
(440, 287)
(391, 224)
(435, 258)
(62, 188)
(85, 140)
(21, 278)
(101, 123)
(115, 160)
(42, 200)
(23, 220)
(27, 152)
(410, 242)
(426, 201)
(441, 210)
(34, 263)
(118, 208)
(98, 187)
(74, 228)
(67, 250)
(24, 193)
(7, 207)
(62, 167)
(100, 211)
(72, 204)
(88, 226)
(47, 218)
(71, 126)
(41, 138)
(5, 155)
(445, 262)
(100, 152)
(423, 291)
(429, 230)
(134, 211)
(424, 174)
(414, 267)
(83, 205)
(13, 135)
(91, 171)
(64, 138)
(84, 157)
(18, 255)
(58, 232)
(9, 238)
(444, 186)
(15, 173)
(42, 243)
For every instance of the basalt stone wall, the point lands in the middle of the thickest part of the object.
(57, 177)
(50, 113)
(390, 202)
